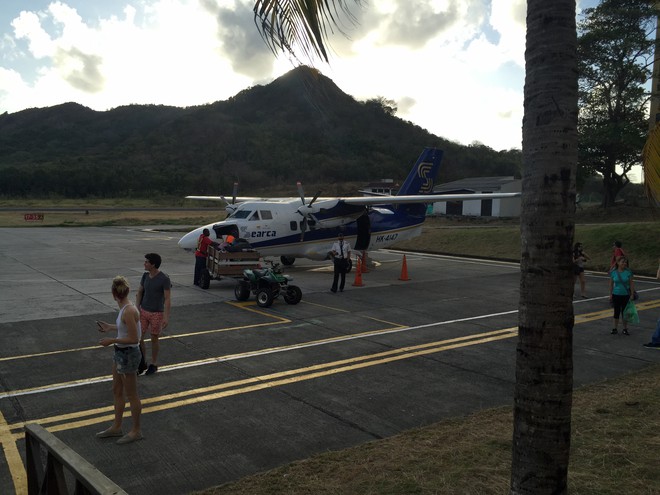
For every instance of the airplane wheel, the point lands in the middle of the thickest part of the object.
(242, 290)
(293, 294)
(264, 297)
(287, 260)
(205, 279)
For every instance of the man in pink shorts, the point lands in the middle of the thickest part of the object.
(153, 300)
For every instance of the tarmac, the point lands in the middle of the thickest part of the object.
(243, 389)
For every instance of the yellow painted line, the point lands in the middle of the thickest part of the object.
(607, 313)
(394, 325)
(245, 386)
(643, 305)
(582, 318)
(13, 457)
(279, 321)
(195, 396)
(202, 362)
(261, 385)
(213, 360)
(267, 381)
(241, 305)
(340, 310)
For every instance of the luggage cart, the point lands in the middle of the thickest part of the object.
(221, 264)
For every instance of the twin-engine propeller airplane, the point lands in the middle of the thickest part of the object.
(293, 228)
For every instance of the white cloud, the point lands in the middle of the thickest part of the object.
(172, 57)
(28, 26)
(464, 85)
(509, 20)
(453, 66)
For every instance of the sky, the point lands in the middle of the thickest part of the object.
(453, 67)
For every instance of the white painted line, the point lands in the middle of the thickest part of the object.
(263, 352)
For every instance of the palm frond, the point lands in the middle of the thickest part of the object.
(651, 166)
(284, 24)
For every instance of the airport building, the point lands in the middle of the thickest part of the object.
(383, 186)
(506, 207)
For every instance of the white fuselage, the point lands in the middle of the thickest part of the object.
(275, 228)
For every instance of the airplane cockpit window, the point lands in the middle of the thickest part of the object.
(266, 214)
(293, 225)
(254, 216)
(241, 213)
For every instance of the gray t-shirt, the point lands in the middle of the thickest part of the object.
(153, 297)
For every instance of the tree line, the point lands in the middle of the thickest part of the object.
(299, 127)
(303, 127)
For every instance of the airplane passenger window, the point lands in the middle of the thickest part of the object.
(293, 225)
(266, 214)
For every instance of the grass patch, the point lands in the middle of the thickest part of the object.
(469, 237)
(641, 241)
(614, 440)
(498, 239)
(109, 218)
(158, 201)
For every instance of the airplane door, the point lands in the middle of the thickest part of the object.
(363, 233)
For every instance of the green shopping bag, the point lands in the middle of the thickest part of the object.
(630, 313)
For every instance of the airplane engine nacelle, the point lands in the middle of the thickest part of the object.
(320, 206)
(329, 223)
(327, 214)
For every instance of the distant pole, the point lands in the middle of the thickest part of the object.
(654, 116)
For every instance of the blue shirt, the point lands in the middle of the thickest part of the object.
(621, 281)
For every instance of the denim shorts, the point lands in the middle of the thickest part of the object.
(127, 359)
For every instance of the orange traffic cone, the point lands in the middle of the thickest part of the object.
(363, 264)
(404, 270)
(358, 274)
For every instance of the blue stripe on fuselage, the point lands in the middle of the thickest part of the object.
(400, 219)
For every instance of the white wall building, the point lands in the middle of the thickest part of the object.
(505, 207)
(383, 186)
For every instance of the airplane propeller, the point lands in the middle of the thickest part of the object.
(231, 206)
(307, 215)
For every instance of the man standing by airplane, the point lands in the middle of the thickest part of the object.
(153, 301)
(341, 253)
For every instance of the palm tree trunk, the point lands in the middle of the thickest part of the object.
(544, 363)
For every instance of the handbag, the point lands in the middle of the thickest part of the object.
(630, 313)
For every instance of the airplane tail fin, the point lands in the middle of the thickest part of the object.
(421, 178)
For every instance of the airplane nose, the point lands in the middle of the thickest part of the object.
(189, 241)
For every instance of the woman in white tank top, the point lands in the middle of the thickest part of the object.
(125, 363)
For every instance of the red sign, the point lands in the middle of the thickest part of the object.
(33, 217)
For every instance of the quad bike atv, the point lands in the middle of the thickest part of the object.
(266, 284)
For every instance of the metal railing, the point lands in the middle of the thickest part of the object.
(52, 466)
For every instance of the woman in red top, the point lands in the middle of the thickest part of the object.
(616, 254)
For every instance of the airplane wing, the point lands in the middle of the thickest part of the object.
(423, 198)
(332, 212)
(223, 199)
(377, 200)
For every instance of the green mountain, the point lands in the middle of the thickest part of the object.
(299, 127)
